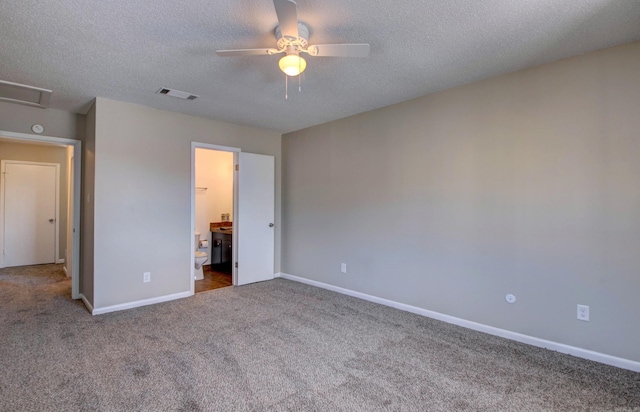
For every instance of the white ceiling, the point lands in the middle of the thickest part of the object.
(128, 49)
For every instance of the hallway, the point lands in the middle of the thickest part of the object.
(19, 285)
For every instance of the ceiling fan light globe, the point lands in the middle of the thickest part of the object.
(292, 64)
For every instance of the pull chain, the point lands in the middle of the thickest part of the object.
(299, 75)
(286, 85)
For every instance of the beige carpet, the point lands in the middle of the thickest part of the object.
(276, 345)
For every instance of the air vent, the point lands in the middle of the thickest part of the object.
(23, 94)
(178, 94)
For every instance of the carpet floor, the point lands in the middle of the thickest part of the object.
(276, 345)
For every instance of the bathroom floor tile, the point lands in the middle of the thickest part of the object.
(213, 279)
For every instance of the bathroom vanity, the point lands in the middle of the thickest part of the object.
(221, 246)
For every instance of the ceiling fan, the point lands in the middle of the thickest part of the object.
(292, 38)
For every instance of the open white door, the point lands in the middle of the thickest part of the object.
(255, 220)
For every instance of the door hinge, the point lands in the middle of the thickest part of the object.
(236, 264)
(237, 167)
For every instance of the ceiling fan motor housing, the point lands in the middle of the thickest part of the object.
(300, 43)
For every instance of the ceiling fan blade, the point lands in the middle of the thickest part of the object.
(246, 52)
(287, 13)
(339, 50)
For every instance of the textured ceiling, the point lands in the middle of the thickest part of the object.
(128, 49)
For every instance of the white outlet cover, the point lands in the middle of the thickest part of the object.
(510, 298)
(583, 313)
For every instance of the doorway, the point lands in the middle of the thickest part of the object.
(69, 251)
(30, 197)
(214, 217)
(251, 224)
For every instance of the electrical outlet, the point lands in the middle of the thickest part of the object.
(583, 312)
(146, 277)
(343, 267)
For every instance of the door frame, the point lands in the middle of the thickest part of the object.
(77, 204)
(234, 237)
(56, 242)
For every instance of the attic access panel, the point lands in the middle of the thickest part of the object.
(23, 94)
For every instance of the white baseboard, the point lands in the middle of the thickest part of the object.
(87, 303)
(64, 268)
(518, 337)
(60, 261)
(138, 303)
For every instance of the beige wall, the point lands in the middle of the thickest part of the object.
(57, 123)
(142, 190)
(87, 208)
(44, 154)
(523, 184)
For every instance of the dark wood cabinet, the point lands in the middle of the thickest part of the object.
(221, 248)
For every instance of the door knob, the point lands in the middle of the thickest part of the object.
(270, 224)
(51, 220)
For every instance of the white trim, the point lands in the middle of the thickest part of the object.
(86, 302)
(138, 303)
(64, 268)
(61, 261)
(214, 147)
(39, 138)
(56, 166)
(192, 271)
(515, 336)
(77, 206)
(2, 185)
(77, 166)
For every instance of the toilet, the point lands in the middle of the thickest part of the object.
(201, 257)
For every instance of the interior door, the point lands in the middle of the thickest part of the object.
(255, 220)
(29, 214)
